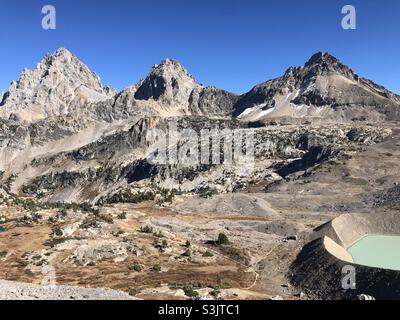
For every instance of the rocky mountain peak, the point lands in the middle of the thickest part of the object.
(323, 63)
(322, 57)
(172, 90)
(317, 90)
(61, 54)
(59, 84)
(168, 82)
(169, 68)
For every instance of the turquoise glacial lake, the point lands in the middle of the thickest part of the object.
(380, 251)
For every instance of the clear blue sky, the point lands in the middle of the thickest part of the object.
(232, 44)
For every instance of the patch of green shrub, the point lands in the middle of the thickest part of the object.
(146, 229)
(222, 239)
(136, 267)
(134, 291)
(207, 254)
(156, 268)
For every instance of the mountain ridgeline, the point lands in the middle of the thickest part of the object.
(324, 88)
(64, 136)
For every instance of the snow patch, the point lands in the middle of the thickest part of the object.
(265, 112)
(251, 110)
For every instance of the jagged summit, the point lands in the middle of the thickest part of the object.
(59, 84)
(168, 80)
(176, 92)
(63, 51)
(60, 53)
(321, 88)
(170, 66)
(322, 57)
(323, 63)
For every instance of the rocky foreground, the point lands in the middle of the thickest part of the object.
(21, 291)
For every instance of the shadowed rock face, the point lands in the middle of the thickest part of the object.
(319, 274)
(388, 198)
(314, 156)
